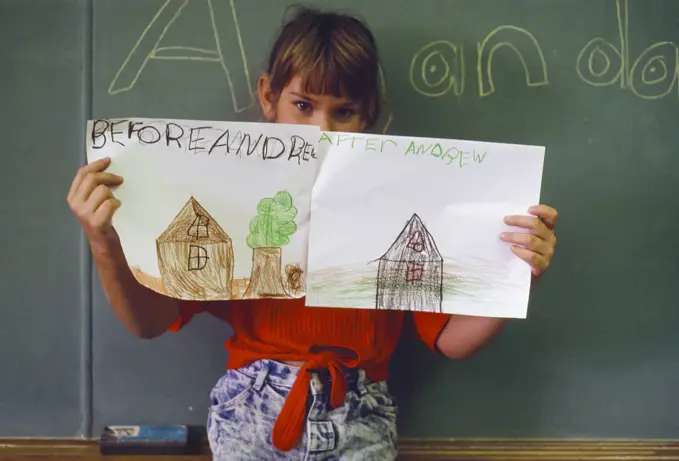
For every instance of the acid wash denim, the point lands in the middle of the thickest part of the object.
(246, 402)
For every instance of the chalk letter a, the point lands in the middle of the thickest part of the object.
(148, 47)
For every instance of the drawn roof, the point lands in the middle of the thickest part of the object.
(194, 224)
(413, 234)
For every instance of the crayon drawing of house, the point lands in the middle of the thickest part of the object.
(195, 256)
(410, 273)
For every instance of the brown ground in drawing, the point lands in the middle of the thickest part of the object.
(238, 286)
(294, 282)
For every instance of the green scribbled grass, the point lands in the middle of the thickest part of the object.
(357, 284)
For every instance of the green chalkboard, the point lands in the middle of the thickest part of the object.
(594, 82)
(43, 302)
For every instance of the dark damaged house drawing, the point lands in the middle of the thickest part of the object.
(410, 273)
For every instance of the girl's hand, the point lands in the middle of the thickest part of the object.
(536, 247)
(92, 202)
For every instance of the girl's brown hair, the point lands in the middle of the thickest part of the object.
(333, 53)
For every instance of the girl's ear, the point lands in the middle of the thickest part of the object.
(266, 97)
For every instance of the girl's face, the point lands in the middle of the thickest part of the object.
(294, 106)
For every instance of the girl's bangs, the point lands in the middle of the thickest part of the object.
(327, 76)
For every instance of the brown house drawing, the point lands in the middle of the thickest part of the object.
(410, 273)
(195, 256)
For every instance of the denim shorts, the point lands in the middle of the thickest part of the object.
(246, 402)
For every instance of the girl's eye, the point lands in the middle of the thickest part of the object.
(346, 113)
(303, 106)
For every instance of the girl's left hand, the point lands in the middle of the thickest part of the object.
(536, 247)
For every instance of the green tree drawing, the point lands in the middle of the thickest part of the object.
(274, 223)
(270, 230)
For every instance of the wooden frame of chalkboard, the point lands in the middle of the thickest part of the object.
(409, 449)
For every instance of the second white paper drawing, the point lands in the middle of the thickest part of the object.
(414, 224)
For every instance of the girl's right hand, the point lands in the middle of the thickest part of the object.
(92, 202)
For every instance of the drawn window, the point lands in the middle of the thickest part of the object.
(414, 272)
(199, 229)
(197, 258)
(416, 242)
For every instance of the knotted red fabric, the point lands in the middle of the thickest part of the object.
(289, 425)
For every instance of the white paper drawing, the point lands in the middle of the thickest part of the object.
(211, 210)
(414, 224)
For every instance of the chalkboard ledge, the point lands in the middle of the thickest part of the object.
(410, 450)
(534, 450)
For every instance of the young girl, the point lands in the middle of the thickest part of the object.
(301, 383)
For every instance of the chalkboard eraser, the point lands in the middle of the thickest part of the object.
(146, 440)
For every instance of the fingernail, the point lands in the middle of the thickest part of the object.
(503, 236)
(506, 219)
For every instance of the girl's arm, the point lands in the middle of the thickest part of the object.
(144, 312)
(463, 335)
